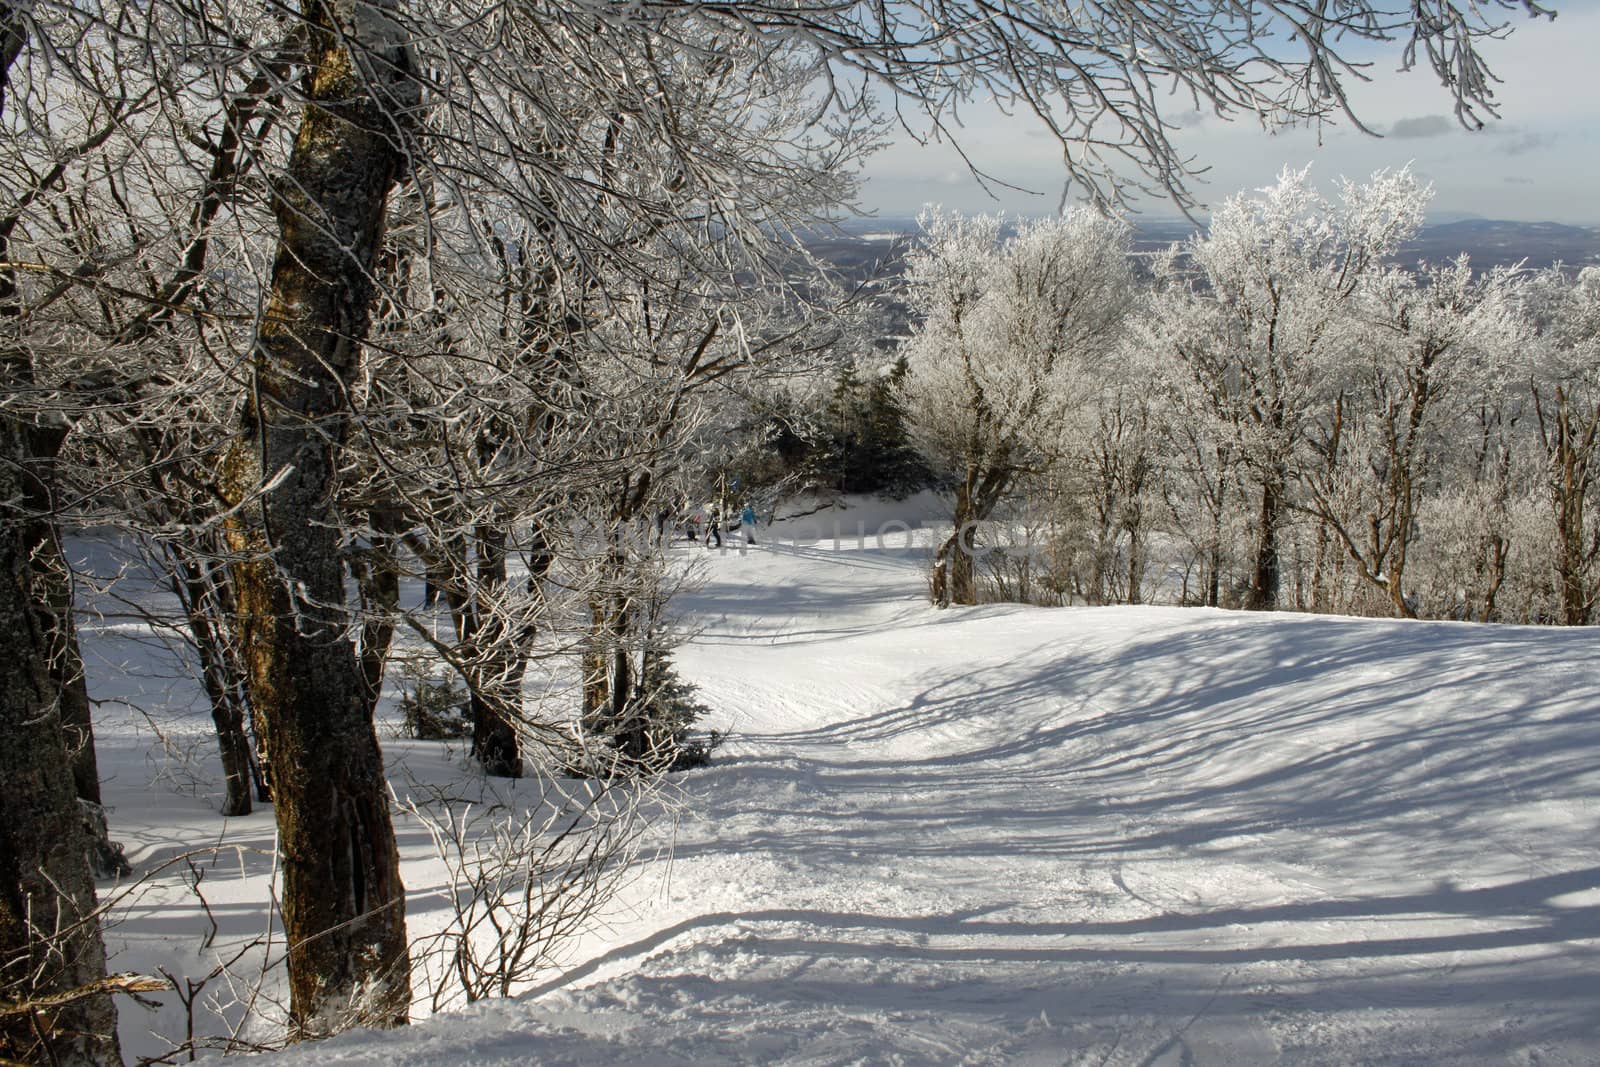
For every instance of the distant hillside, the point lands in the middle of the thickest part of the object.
(1495, 243)
(874, 247)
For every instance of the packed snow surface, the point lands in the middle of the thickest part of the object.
(1040, 836)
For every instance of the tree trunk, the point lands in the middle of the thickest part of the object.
(1266, 576)
(1213, 560)
(1135, 565)
(499, 660)
(1397, 572)
(1571, 561)
(49, 933)
(50, 941)
(610, 704)
(37, 444)
(1491, 570)
(1570, 437)
(609, 699)
(377, 575)
(1571, 485)
(66, 667)
(343, 903)
(234, 749)
(197, 586)
(493, 643)
(490, 662)
(954, 577)
(106, 859)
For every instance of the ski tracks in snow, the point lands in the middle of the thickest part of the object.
(1136, 836)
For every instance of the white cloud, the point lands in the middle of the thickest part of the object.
(1422, 126)
(1550, 113)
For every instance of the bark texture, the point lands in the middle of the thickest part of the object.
(49, 934)
(343, 902)
(497, 663)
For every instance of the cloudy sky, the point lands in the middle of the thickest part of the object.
(1540, 162)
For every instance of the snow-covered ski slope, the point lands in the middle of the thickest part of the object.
(1093, 836)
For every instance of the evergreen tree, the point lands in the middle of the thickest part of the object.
(866, 446)
(887, 453)
(839, 459)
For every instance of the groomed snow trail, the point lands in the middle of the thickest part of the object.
(1101, 836)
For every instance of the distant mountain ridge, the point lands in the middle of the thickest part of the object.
(862, 248)
(1500, 243)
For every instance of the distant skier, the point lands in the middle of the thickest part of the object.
(747, 523)
(714, 527)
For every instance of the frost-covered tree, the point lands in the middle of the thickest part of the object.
(1257, 315)
(1564, 388)
(998, 360)
(1119, 468)
(539, 378)
(1482, 525)
(1434, 345)
(344, 905)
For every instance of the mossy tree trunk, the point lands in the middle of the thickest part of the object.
(343, 903)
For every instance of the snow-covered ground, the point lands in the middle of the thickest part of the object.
(1018, 835)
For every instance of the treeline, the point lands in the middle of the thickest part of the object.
(1276, 419)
